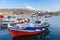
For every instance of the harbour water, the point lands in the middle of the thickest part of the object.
(53, 34)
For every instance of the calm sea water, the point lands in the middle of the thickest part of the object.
(52, 34)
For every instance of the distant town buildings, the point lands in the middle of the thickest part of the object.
(26, 10)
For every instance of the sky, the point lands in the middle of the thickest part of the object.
(50, 5)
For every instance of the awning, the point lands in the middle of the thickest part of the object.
(1, 16)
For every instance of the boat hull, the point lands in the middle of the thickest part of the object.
(16, 33)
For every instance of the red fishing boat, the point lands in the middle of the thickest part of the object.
(24, 29)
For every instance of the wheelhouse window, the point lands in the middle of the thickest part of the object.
(12, 24)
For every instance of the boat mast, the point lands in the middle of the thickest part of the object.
(39, 15)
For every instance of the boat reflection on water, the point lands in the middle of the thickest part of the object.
(42, 36)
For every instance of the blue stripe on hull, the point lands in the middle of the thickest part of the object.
(34, 28)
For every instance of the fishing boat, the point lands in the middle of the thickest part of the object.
(48, 16)
(23, 27)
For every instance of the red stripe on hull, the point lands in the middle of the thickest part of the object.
(15, 33)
